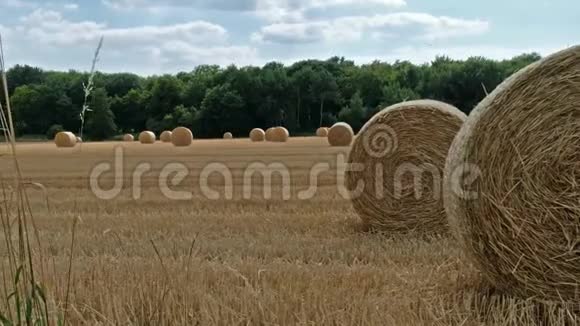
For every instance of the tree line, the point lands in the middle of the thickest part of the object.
(212, 100)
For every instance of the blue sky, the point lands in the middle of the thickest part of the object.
(153, 37)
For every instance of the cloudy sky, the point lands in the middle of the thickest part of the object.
(151, 37)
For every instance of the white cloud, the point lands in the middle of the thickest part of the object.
(333, 3)
(271, 10)
(49, 27)
(294, 10)
(18, 4)
(71, 6)
(347, 29)
(247, 5)
(220, 55)
(165, 48)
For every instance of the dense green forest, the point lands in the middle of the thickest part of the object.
(212, 100)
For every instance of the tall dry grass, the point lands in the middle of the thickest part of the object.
(23, 295)
(89, 87)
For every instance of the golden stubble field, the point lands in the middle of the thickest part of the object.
(147, 259)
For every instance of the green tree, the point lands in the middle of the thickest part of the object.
(223, 110)
(393, 93)
(301, 81)
(166, 94)
(129, 110)
(53, 130)
(121, 83)
(21, 75)
(212, 99)
(181, 116)
(34, 104)
(101, 121)
(197, 84)
(324, 88)
(354, 114)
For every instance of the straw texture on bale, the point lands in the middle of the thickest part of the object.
(147, 137)
(512, 181)
(280, 135)
(401, 152)
(269, 135)
(165, 136)
(181, 137)
(128, 137)
(228, 135)
(340, 134)
(65, 139)
(286, 132)
(257, 135)
(322, 132)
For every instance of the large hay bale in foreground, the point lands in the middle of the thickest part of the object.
(257, 135)
(128, 138)
(512, 186)
(166, 136)
(280, 135)
(322, 132)
(65, 139)
(228, 135)
(147, 137)
(402, 152)
(340, 134)
(182, 137)
(269, 135)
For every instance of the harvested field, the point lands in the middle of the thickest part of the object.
(193, 260)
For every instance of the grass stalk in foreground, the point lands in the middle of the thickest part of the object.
(89, 86)
(23, 299)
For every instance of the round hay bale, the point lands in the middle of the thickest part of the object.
(286, 132)
(257, 135)
(147, 137)
(79, 140)
(280, 135)
(340, 134)
(128, 138)
(228, 135)
(270, 134)
(401, 152)
(65, 139)
(181, 137)
(165, 136)
(322, 132)
(512, 190)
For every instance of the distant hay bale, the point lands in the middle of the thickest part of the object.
(182, 137)
(79, 140)
(340, 134)
(147, 137)
(65, 139)
(512, 190)
(401, 152)
(128, 138)
(228, 135)
(285, 131)
(257, 135)
(165, 136)
(280, 135)
(270, 134)
(322, 132)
